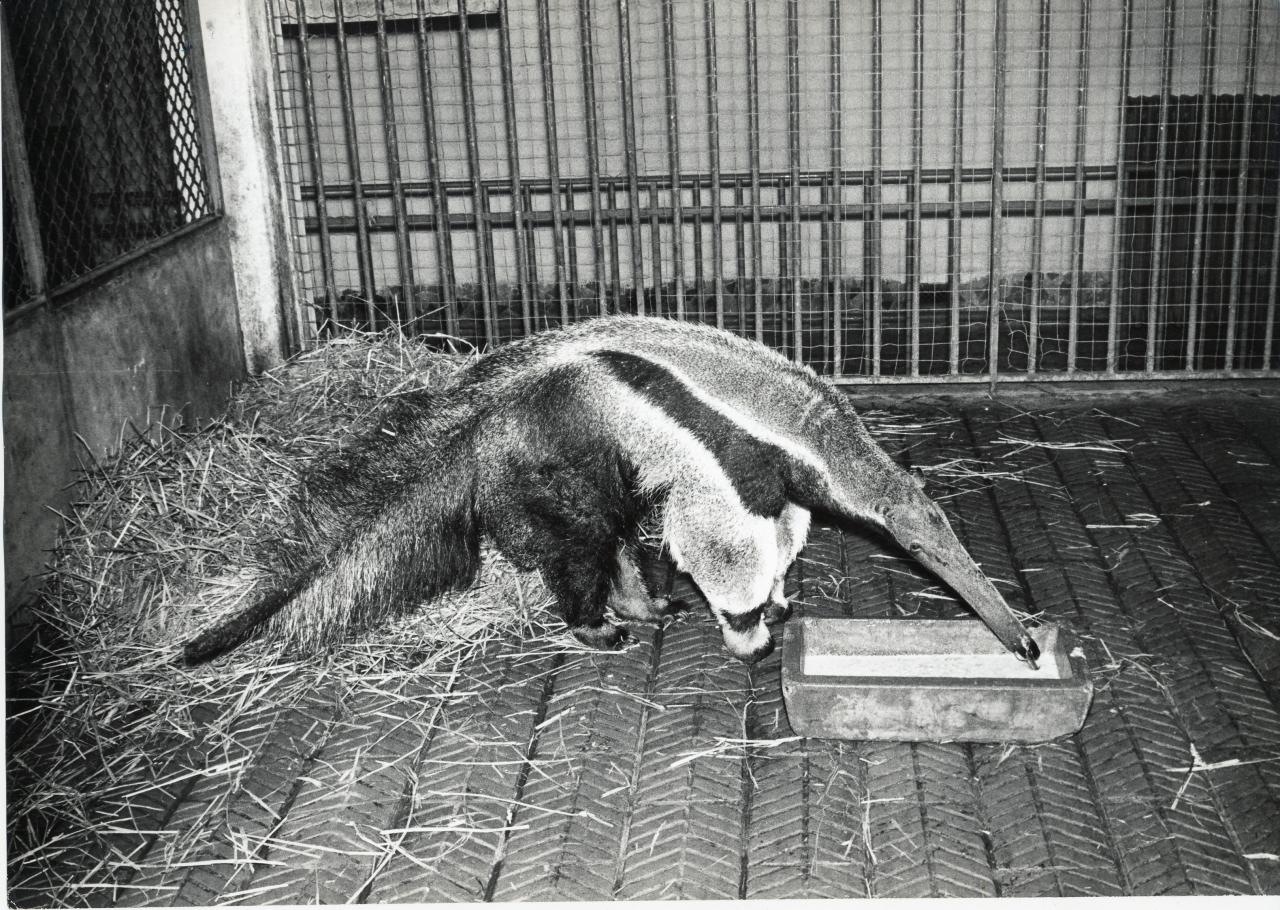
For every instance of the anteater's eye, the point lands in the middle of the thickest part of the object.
(915, 546)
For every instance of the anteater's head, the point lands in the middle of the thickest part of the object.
(900, 506)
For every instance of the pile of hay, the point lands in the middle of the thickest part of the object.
(167, 536)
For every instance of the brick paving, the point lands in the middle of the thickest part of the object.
(1150, 525)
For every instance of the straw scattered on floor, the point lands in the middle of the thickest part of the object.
(164, 538)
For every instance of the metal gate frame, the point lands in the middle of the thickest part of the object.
(780, 197)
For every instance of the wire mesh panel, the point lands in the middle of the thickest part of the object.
(111, 134)
(886, 191)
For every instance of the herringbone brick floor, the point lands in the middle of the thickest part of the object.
(1149, 525)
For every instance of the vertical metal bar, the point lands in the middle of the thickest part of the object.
(699, 265)
(539, 315)
(997, 197)
(875, 189)
(655, 243)
(629, 146)
(571, 248)
(364, 249)
(740, 252)
(439, 198)
(1242, 195)
(1158, 227)
(317, 166)
(404, 257)
(1117, 251)
(480, 201)
(1273, 288)
(673, 155)
(553, 154)
(524, 260)
(1080, 186)
(753, 142)
(1037, 228)
(955, 229)
(835, 257)
(793, 135)
(615, 261)
(593, 149)
(915, 226)
(1208, 52)
(713, 150)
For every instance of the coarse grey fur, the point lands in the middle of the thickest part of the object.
(557, 445)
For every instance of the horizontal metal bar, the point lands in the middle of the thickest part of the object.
(852, 211)
(14, 313)
(141, 251)
(728, 179)
(1081, 376)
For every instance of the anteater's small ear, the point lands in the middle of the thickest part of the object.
(918, 476)
(881, 507)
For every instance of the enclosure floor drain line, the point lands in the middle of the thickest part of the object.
(633, 783)
(403, 812)
(1080, 617)
(1161, 812)
(984, 822)
(500, 851)
(250, 866)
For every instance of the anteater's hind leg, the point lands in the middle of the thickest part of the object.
(568, 521)
(631, 597)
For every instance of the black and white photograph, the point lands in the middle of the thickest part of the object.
(493, 451)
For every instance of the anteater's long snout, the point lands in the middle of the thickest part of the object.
(967, 580)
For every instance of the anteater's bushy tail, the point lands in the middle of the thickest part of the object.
(385, 523)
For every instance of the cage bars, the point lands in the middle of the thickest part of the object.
(552, 136)
(914, 189)
(1208, 45)
(1156, 301)
(1080, 188)
(872, 191)
(792, 248)
(629, 148)
(834, 250)
(1273, 286)
(1037, 234)
(1242, 197)
(673, 161)
(404, 262)
(364, 249)
(479, 198)
(593, 152)
(312, 137)
(442, 233)
(955, 189)
(753, 146)
(767, 199)
(713, 153)
(997, 195)
(524, 262)
(1121, 182)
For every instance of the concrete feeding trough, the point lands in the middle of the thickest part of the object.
(935, 680)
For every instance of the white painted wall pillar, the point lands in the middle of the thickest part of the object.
(239, 59)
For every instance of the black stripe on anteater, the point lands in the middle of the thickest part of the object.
(765, 477)
(744, 622)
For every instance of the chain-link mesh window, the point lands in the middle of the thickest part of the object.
(897, 190)
(112, 138)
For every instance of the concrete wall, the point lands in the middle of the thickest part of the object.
(236, 45)
(163, 330)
